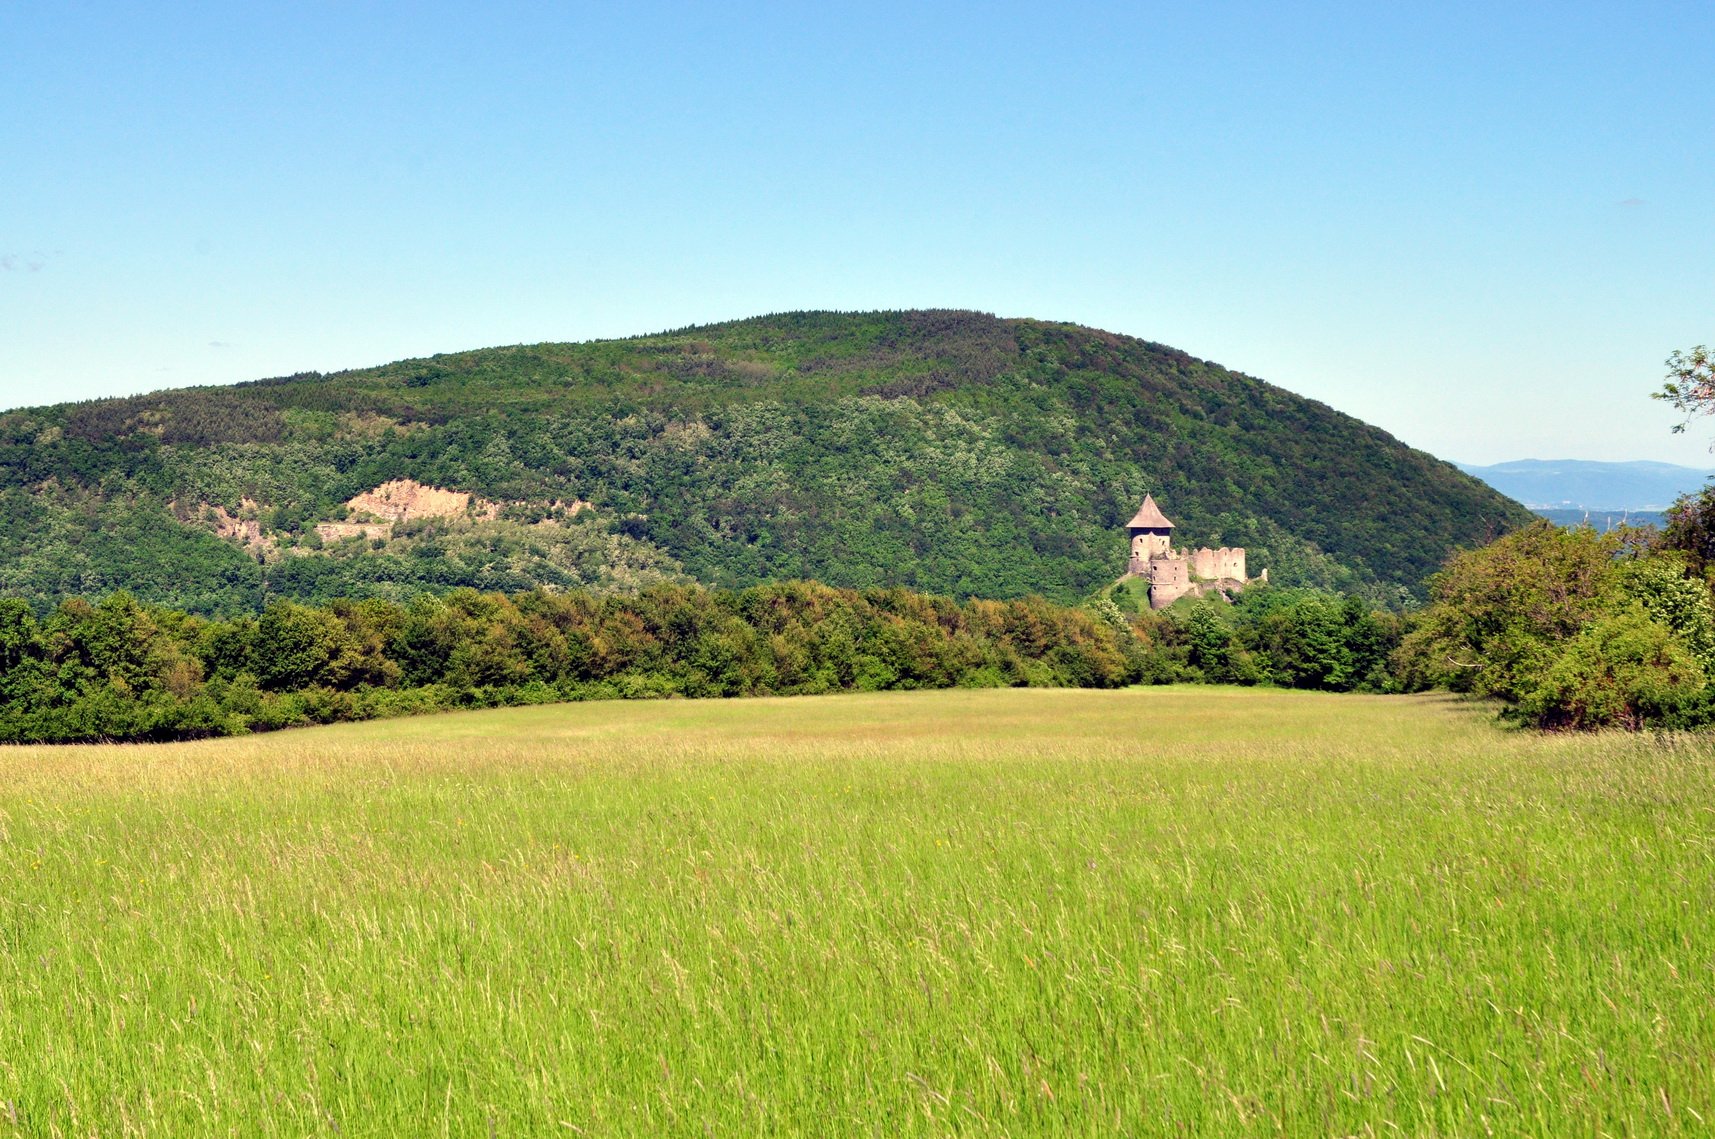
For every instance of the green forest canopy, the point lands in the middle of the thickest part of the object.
(949, 452)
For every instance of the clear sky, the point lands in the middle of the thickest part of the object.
(1479, 226)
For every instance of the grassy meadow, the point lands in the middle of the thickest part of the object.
(1170, 911)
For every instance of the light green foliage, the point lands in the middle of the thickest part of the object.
(1681, 603)
(1502, 612)
(1571, 628)
(1623, 669)
(435, 556)
(1155, 912)
(57, 543)
(1294, 638)
(1211, 647)
(1690, 384)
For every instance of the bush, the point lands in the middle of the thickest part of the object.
(1626, 670)
(1571, 629)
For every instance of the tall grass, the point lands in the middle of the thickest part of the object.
(1187, 911)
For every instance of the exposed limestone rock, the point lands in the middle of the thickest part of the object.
(337, 531)
(245, 527)
(403, 499)
(374, 514)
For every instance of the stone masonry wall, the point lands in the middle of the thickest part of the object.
(1169, 580)
(1222, 564)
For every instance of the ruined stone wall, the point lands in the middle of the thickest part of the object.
(1219, 565)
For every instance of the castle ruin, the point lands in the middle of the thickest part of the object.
(1172, 573)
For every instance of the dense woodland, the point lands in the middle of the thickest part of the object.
(948, 452)
(656, 514)
(1566, 628)
(123, 670)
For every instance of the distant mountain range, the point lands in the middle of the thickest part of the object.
(1556, 486)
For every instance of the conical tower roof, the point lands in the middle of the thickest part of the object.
(1149, 517)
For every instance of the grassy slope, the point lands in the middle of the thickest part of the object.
(948, 452)
(1148, 912)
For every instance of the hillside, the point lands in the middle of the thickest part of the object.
(950, 452)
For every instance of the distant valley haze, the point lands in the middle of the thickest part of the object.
(1581, 484)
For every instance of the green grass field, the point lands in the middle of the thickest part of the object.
(1177, 911)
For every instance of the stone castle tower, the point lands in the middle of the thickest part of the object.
(1173, 574)
(1151, 536)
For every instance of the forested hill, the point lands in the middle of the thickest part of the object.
(950, 452)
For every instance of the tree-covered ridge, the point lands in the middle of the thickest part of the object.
(950, 452)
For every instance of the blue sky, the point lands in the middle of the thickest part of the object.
(1480, 227)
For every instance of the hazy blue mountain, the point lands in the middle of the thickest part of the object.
(1579, 484)
(1602, 520)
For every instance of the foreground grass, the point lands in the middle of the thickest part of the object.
(1186, 911)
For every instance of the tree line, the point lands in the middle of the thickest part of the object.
(123, 670)
(1565, 628)
(1569, 628)
(120, 669)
